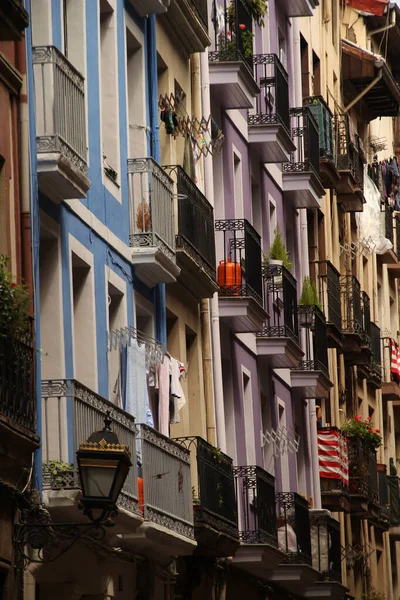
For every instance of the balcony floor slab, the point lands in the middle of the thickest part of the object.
(390, 391)
(150, 7)
(302, 189)
(257, 559)
(195, 274)
(278, 352)
(326, 589)
(188, 26)
(243, 314)
(153, 266)
(310, 384)
(294, 577)
(59, 179)
(271, 142)
(233, 84)
(298, 8)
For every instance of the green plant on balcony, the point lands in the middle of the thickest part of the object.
(309, 294)
(57, 469)
(14, 304)
(277, 251)
(256, 8)
(374, 595)
(363, 429)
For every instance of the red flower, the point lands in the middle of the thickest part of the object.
(242, 26)
(357, 418)
(368, 418)
(370, 430)
(13, 285)
(228, 33)
(377, 431)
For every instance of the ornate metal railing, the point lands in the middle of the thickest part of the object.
(214, 500)
(329, 293)
(195, 220)
(255, 493)
(293, 520)
(272, 103)
(366, 311)
(233, 27)
(167, 487)
(70, 414)
(394, 499)
(376, 346)
(363, 473)
(280, 301)
(305, 136)
(325, 544)
(60, 106)
(348, 149)
(151, 206)
(352, 315)
(389, 223)
(17, 379)
(239, 272)
(323, 116)
(384, 504)
(316, 350)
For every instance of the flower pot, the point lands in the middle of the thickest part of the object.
(278, 281)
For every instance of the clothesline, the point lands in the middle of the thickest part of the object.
(121, 338)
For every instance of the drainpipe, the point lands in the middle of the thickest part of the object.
(214, 310)
(311, 422)
(204, 305)
(386, 27)
(365, 91)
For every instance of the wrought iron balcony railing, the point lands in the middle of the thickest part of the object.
(323, 116)
(366, 311)
(384, 504)
(326, 547)
(280, 301)
(60, 106)
(352, 314)
(310, 317)
(389, 224)
(376, 347)
(17, 389)
(233, 41)
(195, 220)
(239, 273)
(305, 136)
(167, 486)
(255, 493)
(213, 486)
(151, 206)
(61, 436)
(293, 520)
(200, 7)
(329, 293)
(394, 499)
(349, 150)
(363, 473)
(272, 102)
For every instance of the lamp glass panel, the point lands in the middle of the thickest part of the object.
(97, 481)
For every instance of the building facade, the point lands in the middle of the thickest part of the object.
(214, 235)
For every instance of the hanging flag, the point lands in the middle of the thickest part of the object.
(332, 455)
(373, 7)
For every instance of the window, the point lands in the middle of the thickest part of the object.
(282, 49)
(3, 209)
(109, 95)
(238, 186)
(116, 320)
(272, 220)
(248, 417)
(316, 75)
(305, 81)
(73, 22)
(256, 208)
(144, 314)
(135, 94)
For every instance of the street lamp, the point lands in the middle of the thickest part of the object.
(103, 465)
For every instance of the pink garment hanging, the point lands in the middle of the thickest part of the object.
(163, 396)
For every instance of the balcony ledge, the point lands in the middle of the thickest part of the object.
(302, 189)
(233, 84)
(390, 391)
(158, 542)
(394, 532)
(213, 542)
(258, 559)
(243, 314)
(388, 258)
(270, 140)
(328, 173)
(153, 265)
(394, 270)
(278, 352)
(150, 7)
(299, 8)
(310, 384)
(61, 172)
(294, 577)
(195, 273)
(335, 500)
(332, 590)
(190, 29)
(13, 20)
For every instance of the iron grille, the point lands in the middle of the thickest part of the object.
(272, 103)
(232, 41)
(305, 136)
(280, 302)
(326, 547)
(323, 116)
(293, 520)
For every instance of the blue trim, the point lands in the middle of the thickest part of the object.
(56, 24)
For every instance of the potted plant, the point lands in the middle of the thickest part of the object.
(277, 252)
(361, 428)
(309, 300)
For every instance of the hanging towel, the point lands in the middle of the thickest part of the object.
(163, 396)
(137, 397)
(176, 391)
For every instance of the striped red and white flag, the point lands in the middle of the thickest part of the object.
(332, 454)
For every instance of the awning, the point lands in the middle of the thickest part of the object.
(373, 7)
(360, 69)
(391, 36)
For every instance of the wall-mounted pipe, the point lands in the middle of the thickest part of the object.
(362, 94)
(386, 27)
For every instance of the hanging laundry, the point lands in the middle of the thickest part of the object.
(163, 395)
(137, 397)
(179, 400)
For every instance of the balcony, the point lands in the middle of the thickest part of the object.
(333, 477)
(329, 294)
(278, 341)
(60, 126)
(356, 322)
(311, 377)
(300, 177)
(363, 479)
(195, 239)
(255, 491)
(374, 378)
(321, 112)
(394, 511)
(17, 406)
(388, 223)
(152, 234)
(325, 545)
(150, 7)
(214, 501)
(239, 277)
(189, 20)
(394, 267)
(13, 20)
(231, 60)
(382, 520)
(269, 124)
(299, 8)
(391, 375)
(350, 164)
(363, 71)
